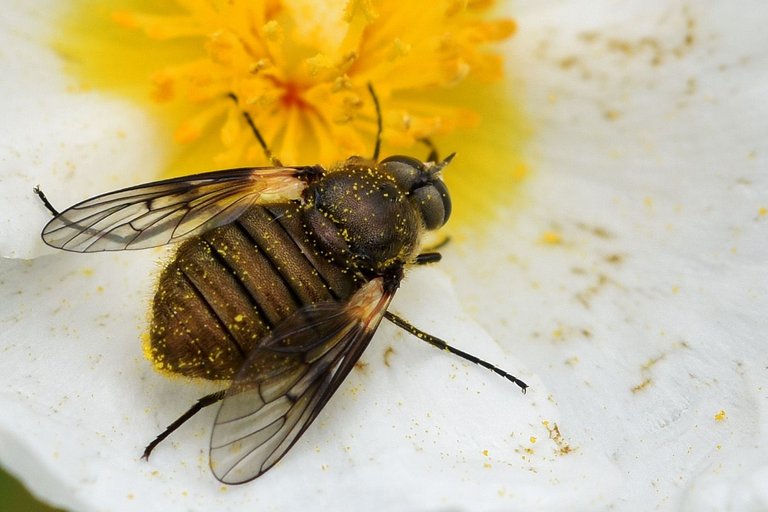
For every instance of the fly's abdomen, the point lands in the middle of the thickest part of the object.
(224, 291)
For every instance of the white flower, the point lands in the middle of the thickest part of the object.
(625, 282)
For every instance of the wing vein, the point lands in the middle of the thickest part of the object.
(300, 364)
(167, 211)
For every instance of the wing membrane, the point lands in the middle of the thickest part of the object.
(171, 210)
(288, 379)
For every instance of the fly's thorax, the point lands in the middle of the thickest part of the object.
(360, 216)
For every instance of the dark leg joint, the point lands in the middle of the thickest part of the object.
(426, 258)
(442, 345)
(45, 201)
(199, 405)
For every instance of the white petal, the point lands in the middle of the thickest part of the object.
(668, 167)
(649, 318)
(80, 403)
(72, 144)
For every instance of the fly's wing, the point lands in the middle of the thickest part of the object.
(288, 379)
(167, 211)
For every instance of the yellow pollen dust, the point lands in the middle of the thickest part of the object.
(551, 238)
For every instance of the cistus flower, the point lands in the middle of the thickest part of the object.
(624, 280)
(300, 68)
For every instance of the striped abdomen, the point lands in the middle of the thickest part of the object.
(224, 291)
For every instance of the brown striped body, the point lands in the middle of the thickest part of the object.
(224, 291)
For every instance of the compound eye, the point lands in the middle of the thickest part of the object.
(443, 191)
(434, 203)
(407, 171)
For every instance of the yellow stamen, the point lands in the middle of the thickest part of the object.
(301, 69)
(303, 66)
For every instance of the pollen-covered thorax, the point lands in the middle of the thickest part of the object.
(360, 215)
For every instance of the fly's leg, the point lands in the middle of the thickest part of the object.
(197, 407)
(248, 119)
(377, 146)
(442, 345)
(432, 156)
(426, 258)
(45, 201)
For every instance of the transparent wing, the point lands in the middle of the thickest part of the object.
(167, 211)
(285, 382)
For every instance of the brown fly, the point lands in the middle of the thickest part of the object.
(282, 276)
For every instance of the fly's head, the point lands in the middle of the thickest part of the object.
(423, 186)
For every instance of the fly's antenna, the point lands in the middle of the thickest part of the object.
(436, 167)
(377, 147)
(248, 119)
